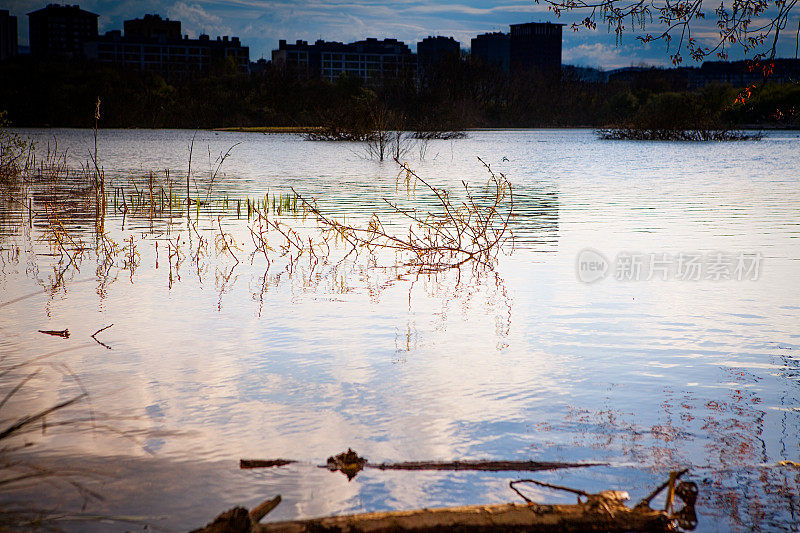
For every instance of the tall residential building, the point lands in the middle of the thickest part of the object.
(371, 60)
(8, 35)
(152, 27)
(535, 45)
(61, 31)
(168, 57)
(154, 44)
(492, 48)
(431, 50)
(300, 56)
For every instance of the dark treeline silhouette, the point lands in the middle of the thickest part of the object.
(455, 95)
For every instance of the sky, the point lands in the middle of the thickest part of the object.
(261, 23)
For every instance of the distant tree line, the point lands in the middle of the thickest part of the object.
(455, 95)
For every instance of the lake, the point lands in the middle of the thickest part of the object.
(646, 315)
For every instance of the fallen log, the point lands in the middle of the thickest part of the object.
(486, 466)
(239, 520)
(605, 511)
(599, 513)
(264, 463)
(350, 463)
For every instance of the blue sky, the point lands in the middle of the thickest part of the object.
(260, 23)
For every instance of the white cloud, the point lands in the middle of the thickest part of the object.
(470, 10)
(196, 20)
(599, 54)
(260, 23)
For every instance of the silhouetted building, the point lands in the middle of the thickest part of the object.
(61, 31)
(370, 60)
(492, 48)
(8, 35)
(259, 67)
(152, 27)
(536, 45)
(303, 58)
(169, 57)
(431, 50)
(743, 73)
(736, 73)
(430, 53)
(153, 44)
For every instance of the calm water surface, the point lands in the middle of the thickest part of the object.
(213, 361)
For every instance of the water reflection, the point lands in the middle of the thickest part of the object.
(248, 359)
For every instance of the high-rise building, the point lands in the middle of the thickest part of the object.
(8, 35)
(61, 31)
(153, 44)
(431, 50)
(371, 60)
(152, 27)
(535, 45)
(179, 57)
(492, 49)
(304, 58)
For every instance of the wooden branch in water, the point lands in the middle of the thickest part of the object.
(100, 342)
(487, 466)
(60, 333)
(239, 520)
(263, 509)
(599, 513)
(604, 511)
(671, 481)
(264, 463)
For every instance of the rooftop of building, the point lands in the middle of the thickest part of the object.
(524, 24)
(369, 45)
(116, 35)
(65, 9)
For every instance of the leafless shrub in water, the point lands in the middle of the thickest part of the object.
(451, 234)
(669, 134)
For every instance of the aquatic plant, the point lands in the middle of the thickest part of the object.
(446, 135)
(14, 151)
(670, 116)
(471, 229)
(668, 134)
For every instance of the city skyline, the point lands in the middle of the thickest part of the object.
(260, 24)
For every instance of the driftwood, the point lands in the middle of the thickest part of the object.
(264, 463)
(64, 333)
(350, 464)
(601, 512)
(101, 343)
(238, 520)
(488, 466)
(604, 511)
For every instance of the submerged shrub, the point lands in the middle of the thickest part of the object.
(667, 134)
(13, 150)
